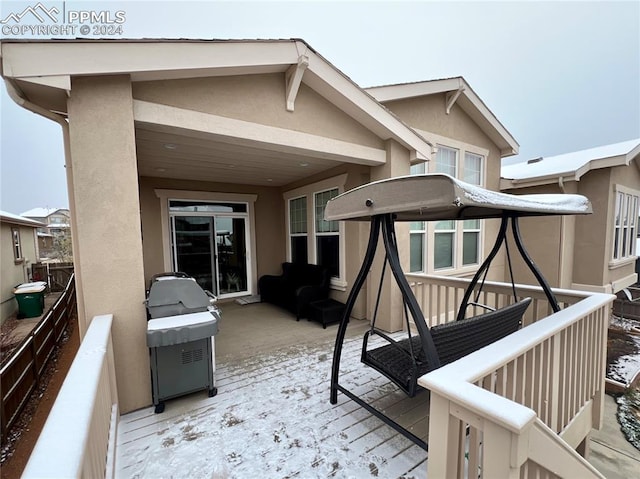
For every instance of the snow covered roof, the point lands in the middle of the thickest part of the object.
(41, 212)
(570, 166)
(19, 220)
(432, 197)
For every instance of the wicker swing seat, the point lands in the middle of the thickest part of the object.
(452, 341)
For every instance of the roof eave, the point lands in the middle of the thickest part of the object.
(468, 100)
(49, 68)
(571, 175)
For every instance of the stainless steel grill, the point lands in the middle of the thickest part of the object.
(181, 328)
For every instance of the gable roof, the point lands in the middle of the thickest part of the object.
(6, 217)
(41, 212)
(42, 71)
(569, 166)
(458, 92)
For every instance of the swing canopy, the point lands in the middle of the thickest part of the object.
(436, 196)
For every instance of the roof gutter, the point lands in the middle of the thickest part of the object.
(15, 95)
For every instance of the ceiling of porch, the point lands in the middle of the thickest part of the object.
(174, 154)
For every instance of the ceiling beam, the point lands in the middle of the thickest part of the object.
(239, 132)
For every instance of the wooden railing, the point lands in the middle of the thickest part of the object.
(21, 373)
(78, 439)
(523, 405)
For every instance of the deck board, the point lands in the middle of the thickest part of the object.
(272, 416)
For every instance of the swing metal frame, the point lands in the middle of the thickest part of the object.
(410, 199)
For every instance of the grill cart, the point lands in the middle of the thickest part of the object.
(182, 324)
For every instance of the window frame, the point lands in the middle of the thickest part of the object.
(626, 209)
(16, 245)
(337, 182)
(462, 152)
(291, 235)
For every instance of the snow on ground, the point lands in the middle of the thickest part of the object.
(271, 418)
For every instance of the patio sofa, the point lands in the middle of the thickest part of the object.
(297, 286)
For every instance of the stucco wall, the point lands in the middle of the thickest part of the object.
(592, 231)
(428, 115)
(107, 242)
(541, 237)
(579, 255)
(12, 273)
(260, 99)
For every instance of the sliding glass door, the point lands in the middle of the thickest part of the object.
(210, 244)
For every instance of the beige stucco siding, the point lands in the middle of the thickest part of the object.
(108, 240)
(13, 273)
(592, 231)
(576, 251)
(542, 238)
(428, 115)
(259, 99)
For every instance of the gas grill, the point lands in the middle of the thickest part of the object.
(181, 327)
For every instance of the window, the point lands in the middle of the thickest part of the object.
(446, 160)
(470, 242)
(327, 234)
(444, 244)
(310, 237)
(17, 247)
(626, 223)
(417, 239)
(454, 244)
(298, 229)
(473, 168)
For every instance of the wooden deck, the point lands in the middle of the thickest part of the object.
(272, 415)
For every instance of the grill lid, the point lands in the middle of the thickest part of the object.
(177, 290)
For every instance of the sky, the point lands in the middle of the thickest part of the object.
(560, 76)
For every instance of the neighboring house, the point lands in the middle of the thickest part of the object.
(57, 221)
(19, 247)
(596, 252)
(218, 157)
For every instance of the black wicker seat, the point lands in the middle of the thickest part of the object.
(404, 361)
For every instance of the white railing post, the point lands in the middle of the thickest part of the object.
(443, 453)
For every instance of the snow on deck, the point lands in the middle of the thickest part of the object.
(272, 418)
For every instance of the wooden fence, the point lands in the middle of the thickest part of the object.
(55, 274)
(22, 372)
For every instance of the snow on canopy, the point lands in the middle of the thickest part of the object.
(437, 196)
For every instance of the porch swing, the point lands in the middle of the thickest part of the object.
(434, 197)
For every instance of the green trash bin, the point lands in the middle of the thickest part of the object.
(30, 297)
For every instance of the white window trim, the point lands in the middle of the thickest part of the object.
(17, 246)
(614, 262)
(309, 191)
(210, 196)
(291, 235)
(458, 268)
